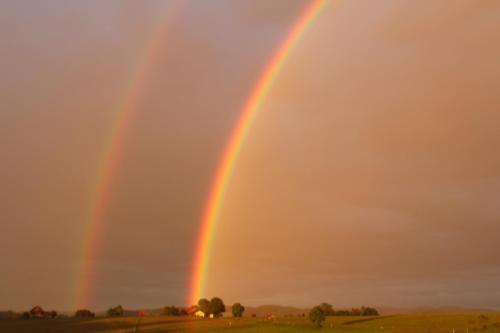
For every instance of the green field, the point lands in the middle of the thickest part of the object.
(453, 323)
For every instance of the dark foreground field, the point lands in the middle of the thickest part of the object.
(453, 323)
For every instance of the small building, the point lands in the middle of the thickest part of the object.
(199, 314)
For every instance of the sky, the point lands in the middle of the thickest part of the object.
(370, 175)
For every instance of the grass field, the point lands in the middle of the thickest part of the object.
(453, 323)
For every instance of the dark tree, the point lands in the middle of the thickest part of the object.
(368, 311)
(317, 316)
(116, 311)
(217, 307)
(342, 313)
(237, 310)
(84, 313)
(204, 306)
(327, 309)
(355, 312)
(171, 311)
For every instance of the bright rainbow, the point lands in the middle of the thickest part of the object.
(111, 156)
(226, 166)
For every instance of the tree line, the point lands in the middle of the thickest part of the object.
(318, 314)
(213, 308)
(205, 308)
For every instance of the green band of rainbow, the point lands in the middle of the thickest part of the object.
(226, 166)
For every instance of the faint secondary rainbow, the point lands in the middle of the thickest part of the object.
(111, 156)
(227, 163)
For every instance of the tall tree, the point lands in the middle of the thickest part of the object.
(237, 310)
(204, 306)
(217, 307)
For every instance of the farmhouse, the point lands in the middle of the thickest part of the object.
(199, 314)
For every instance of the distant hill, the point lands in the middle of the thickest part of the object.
(284, 311)
(388, 310)
(276, 310)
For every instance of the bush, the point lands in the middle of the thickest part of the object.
(355, 312)
(363, 311)
(342, 313)
(84, 313)
(367, 311)
(171, 311)
(317, 316)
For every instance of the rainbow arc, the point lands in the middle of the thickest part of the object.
(237, 139)
(126, 112)
(111, 157)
